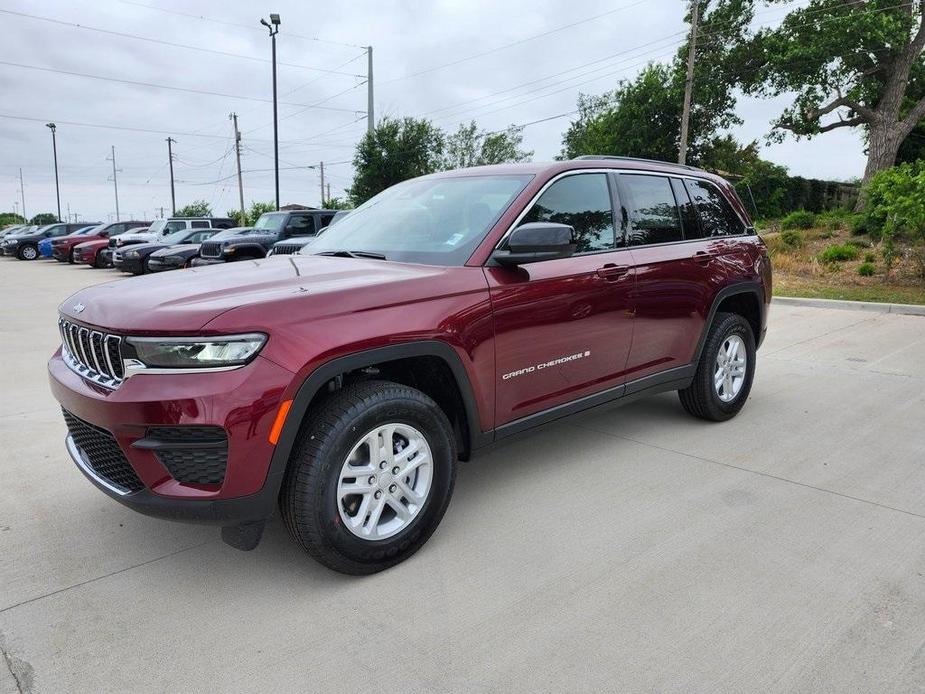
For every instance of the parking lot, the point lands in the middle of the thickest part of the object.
(632, 548)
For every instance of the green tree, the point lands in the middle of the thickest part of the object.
(11, 218)
(251, 214)
(199, 208)
(44, 218)
(642, 116)
(850, 64)
(394, 151)
(335, 203)
(469, 146)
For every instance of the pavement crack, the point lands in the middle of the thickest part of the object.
(20, 670)
(755, 472)
(100, 578)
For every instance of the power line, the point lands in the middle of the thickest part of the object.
(171, 43)
(316, 104)
(514, 43)
(188, 90)
(236, 24)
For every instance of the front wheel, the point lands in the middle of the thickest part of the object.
(370, 477)
(28, 253)
(725, 371)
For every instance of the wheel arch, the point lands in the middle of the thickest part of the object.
(744, 298)
(313, 387)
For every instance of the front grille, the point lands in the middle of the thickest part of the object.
(92, 354)
(200, 454)
(211, 249)
(102, 453)
(287, 248)
(117, 256)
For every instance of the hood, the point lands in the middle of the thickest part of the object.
(243, 238)
(179, 249)
(185, 301)
(92, 244)
(145, 247)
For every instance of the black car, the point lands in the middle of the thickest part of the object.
(177, 257)
(26, 246)
(270, 228)
(134, 258)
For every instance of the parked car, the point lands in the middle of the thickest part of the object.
(290, 246)
(177, 257)
(270, 228)
(447, 313)
(164, 227)
(98, 252)
(26, 246)
(62, 249)
(45, 245)
(12, 228)
(134, 258)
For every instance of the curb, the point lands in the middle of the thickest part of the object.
(874, 307)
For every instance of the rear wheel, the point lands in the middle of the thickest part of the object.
(725, 371)
(370, 477)
(28, 252)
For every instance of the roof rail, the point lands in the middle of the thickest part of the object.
(651, 161)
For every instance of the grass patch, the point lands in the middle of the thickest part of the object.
(789, 286)
(837, 253)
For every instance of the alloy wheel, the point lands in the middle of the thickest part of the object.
(730, 368)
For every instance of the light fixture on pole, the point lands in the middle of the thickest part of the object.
(273, 27)
(54, 148)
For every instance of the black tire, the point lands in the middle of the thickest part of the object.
(98, 262)
(700, 398)
(70, 256)
(28, 252)
(309, 501)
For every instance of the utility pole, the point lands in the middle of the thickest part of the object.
(115, 183)
(329, 193)
(22, 192)
(69, 212)
(54, 148)
(322, 184)
(689, 82)
(237, 151)
(173, 197)
(162, 212)
(370, 113)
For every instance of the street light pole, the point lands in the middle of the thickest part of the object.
(22, 192)
(173, 197)
(54, 148)
(273, 26)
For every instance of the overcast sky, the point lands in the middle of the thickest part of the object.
(424, 66)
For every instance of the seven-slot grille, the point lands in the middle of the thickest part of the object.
(211, 249)
(287, 248)
(93, 354)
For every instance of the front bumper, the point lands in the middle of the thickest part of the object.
(201, 262)
(132, 265)
(243, 402)
(61, 253)
(105, 257)
(160, 264)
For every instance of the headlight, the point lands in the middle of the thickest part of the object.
(130, 254)
(187, 352)
(228, 250)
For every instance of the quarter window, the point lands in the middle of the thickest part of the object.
(583, 202)
(717, 217)
(649, 212)
(200, 225)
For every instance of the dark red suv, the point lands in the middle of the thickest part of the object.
(446, 313)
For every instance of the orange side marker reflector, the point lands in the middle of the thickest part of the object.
(280, 420)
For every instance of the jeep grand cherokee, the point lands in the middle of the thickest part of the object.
(444, 314)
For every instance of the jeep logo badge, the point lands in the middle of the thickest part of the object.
(78, 308)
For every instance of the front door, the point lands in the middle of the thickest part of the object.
(563, 328)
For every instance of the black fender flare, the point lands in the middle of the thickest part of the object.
(358, 360)
(755, 288)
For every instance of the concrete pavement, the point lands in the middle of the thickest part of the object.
(632, 549)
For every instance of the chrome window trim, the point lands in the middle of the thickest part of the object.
(640, 172)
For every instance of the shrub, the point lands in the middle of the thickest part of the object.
(870, 258)
(832, 220)
(858, 243)
(866, 269)
(800, 219)
(859, 224)
(792, 238)
(839, 252)
(896, 202)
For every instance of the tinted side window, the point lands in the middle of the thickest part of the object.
(649, 212)
(583, 202)
(717, 217)
(172, 227)
(200, 225)
(326, 219)
(689, 219)
(301, 225)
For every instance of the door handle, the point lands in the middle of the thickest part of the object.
(703, 258)
(611, 272)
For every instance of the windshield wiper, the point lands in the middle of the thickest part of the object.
(354, 254)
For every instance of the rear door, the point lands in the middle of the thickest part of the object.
(673, 267)
(563, 328)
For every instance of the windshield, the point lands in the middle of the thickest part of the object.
(175, 237)
(270, 221)
(157, 226)
(436, 221)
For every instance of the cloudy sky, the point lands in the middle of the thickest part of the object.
(500, 63)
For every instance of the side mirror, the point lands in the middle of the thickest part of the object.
(536, 241)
